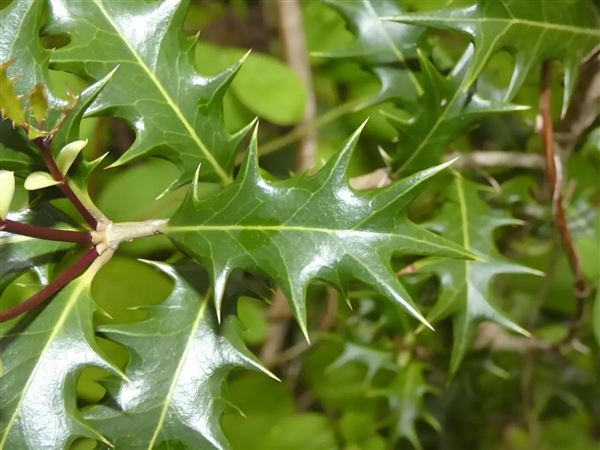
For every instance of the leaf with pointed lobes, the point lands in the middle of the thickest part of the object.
(38, 392)
(563, 30)
(179, 359)
(466, 286)
(306, 228)
(176, 114)
(10, 106)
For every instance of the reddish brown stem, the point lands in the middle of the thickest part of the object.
(581, 288)
(48, 234)
(71, 273)
(43, 143)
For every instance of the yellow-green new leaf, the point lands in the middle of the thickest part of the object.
(39, 103)
(10, 106)
(7, 191)
(67, 155)
(39, 180)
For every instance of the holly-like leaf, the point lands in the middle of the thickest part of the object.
(444, 112)
(307, 228)
(438, 108)
(179, 360)
(466, 286)
(21, 253)
(42, 357)
(406, 400)
(176, 113)
(20, 44)
(564, 30)
(380, 47)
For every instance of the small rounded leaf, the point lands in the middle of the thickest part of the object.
(7, 191)
(39, 180)
(67, 155)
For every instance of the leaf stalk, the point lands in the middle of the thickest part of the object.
(48, 234)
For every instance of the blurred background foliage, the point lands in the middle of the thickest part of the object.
(369, 380)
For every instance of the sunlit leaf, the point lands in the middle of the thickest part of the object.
(305, 228)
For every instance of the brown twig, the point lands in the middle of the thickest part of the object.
(581, 289)
(71, 273)
(48, 234)
(43, 143)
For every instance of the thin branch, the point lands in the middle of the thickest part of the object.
(71, 273)
(581, 288)
(43, 143)
(478, 159)
(302, 129)
(48, 234)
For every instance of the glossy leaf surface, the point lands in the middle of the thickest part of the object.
(38, 391)
(179, 358)
(180, 121)
(21, 253)
(307, 228)
(466, 286)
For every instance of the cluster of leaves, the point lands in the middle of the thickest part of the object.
(135, 354)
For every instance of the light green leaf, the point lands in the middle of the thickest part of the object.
(466, 286)
(305, 228)
(67, 155)
(179, 358)
(39, 103)
(7, 191)
(531, 31)
(596, 317)
(37, 392)
(176, 113)
(10, 106)
(264, 85)
(39, 180)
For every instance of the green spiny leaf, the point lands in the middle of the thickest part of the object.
(175, 113)
(565, 30)
(406, 399)
(38, 391)
(466, 286)
(443, 113)
(19, 43)
(305, 228)
(383, 48)
(179, 360)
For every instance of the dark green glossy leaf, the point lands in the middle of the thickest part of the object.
(443, 112)
(531, 31)
(307, 228)
(176, 113)
(179, 358)
(466, 287)
(21, 253)
(42, 354)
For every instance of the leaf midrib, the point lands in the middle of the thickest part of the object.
(509, 23)
(82, 282)
(168, 398)
(192, 133)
